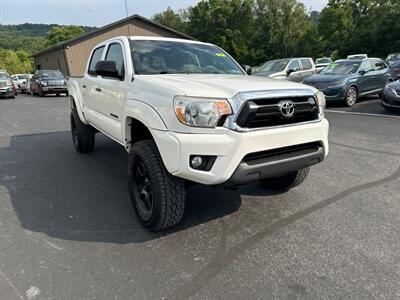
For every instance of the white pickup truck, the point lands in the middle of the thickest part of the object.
(187, 112)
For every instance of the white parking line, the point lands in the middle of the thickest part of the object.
(362, 114)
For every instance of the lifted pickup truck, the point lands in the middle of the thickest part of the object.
(186, 112)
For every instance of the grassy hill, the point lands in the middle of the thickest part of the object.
(28, 37)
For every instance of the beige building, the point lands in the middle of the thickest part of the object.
(70, 57)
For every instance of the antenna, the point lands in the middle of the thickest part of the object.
(126, 8)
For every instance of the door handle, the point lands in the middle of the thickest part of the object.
(98, 89)
(83, 86)
(113, 115)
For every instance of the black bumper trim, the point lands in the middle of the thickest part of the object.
(246, 173)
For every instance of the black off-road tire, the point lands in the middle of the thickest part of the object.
(286, 182)
(167, 192)
(83, 135)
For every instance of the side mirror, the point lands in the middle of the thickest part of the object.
(107, 68)
(290, 71)
(362, 72)
(247, 69)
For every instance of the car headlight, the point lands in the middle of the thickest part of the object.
(44, 83)
(394, 92)
(9, 83)
(201, 112)
(321, 101)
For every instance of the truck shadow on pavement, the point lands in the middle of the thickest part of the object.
(66, 195)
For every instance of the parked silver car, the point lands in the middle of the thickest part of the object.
(6, 85)
(322, 62)
(293, 69)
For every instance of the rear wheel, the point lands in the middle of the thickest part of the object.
(158, 197)
(83, 135)
(351, 96)
(286, 182)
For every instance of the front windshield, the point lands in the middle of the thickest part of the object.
(394, 56)
(51, 74)
(341, 68)
(323, 61)
(168, 57)
(274, 65)
(22, 77)
(4, 75)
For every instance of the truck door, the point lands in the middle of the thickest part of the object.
(110, 93)
(307, 69)
(89, 85)
(295, 71)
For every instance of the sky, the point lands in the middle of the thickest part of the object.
(93, 12)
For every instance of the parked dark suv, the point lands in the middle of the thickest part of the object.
(346, 80)
(48, 82)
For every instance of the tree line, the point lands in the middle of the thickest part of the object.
(254, 31)
(19, 42)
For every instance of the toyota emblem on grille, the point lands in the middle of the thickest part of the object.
(287, 108)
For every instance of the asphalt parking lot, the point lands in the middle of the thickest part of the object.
(68, 231)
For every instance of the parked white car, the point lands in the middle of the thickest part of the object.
(322, 62)
(186, 112)
(21, 80)
(357, 56)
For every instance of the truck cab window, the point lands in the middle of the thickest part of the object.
(115, 53)
(96, 56)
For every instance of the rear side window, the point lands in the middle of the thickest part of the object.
(379, 65)
(96, 56)
(306, 64)
(116, 54)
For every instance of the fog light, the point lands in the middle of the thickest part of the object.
(197, 161)
(202, 163)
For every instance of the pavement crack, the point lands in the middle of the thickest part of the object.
(221, 261)
(11, 284)
(365, 149)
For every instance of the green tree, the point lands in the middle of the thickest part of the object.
(172, 19)
(15, 61)
(64, 33)
(336, 27)
(226, 23)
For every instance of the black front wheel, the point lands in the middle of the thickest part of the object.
(158, 197)
(83, 135)
(286, 182)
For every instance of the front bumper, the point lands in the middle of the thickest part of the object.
(390, 100)
(54, 89)
(231, 148)
(6, 92)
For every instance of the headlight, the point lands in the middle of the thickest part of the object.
(394, 92)
(9, 83)
(44, 83)
(201, 112)
(321, 102)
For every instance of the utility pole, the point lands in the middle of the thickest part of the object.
(126, 8)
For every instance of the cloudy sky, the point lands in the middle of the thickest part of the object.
(92, 12)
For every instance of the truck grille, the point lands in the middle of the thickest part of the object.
(56, 82)
(259, 113)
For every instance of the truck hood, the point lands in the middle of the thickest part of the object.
(222, 86)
